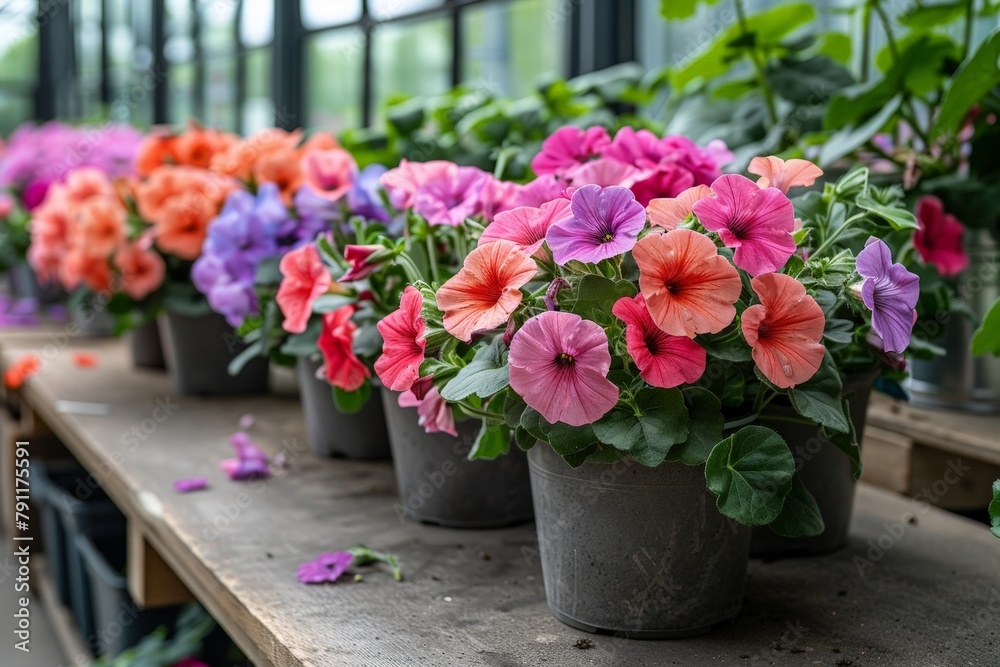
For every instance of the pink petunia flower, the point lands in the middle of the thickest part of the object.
(336, 342)
(541, 190)
(190, 484)
(663, 360)
(497, 196)
(569, 146)
(603, 172)
(433, 412)
(364, 259)
(403, 342)
(329, 173)
(784, 330)
(784, 174)
(304, 279)
(671, 212)
(483, 294)
(559, 365)
(250, 462)
(448, 198)
(327, 568)
(939, 237)
(403, 182)
(757, 222)
(605, 223)
(527, 226)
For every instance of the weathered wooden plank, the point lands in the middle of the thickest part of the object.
(914, 585)
(151, 582)
(886, 459)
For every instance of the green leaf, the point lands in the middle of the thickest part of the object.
(513, 408)
(523, 439)
(672, 10)
(705, 424)
(899, 218)
(595, 295)
(660, 424)
(568, 440)
(799, 515)
(303, 344)
(839, 331)
(486, 375)
(534, 424)
(350, 402)
(331, 302)
(268, 273)
(493, 440)
(751, 472)
(987, 336)
(809, 81)
(928, 17)
(995, 509)
(725, 346)
(252, 351)
(819, 399)
(847, 442)
(849, 139)
(976, 77)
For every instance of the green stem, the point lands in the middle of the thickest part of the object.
(970, 17)
(758, 64)
(794, 420)
(432, 256)
(835, 235)
(890, 39)
(476, 412)
(411, 270)
(866, 41)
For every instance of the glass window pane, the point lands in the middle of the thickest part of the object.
(494, 36)
(218, 28)
(382, 10)
(257, 22)
(323, 13)
(14, 110)
(18, 42)
(182, 83)
(220, 93)
(257, 112)
(334, 102)
(410, 59)
(88, 38)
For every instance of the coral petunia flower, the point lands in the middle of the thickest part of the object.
(86, 183)
(559, 365)
(183, 225)
(525, 225)
(336, 341)
(280, 167)
(433, 412)
(663, 360)
(890, 292)
(784, 330)
(486, 291)
(757, 222)
(403, 342)
(569, 146)
(100, 226)
(329, 173)
(938, 237)
(671, 212)
(21, 370)
(688, 286)
(783, 174)
(304, 279)
(142, 270)
(605, 223)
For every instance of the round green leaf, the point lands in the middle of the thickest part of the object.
(751, 473)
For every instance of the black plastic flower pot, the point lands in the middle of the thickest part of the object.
(118, 623)
(145, 346)
(825, 471)
(635, 551)
(361, 435)
(199, 349)
(92, 320)
(439, 485)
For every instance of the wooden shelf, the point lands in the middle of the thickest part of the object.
(915, 586)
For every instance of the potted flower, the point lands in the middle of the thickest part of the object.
(633, 352)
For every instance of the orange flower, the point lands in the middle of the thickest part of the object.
(240, 158)
(83, 184)
(142, 270)
(783, 174)
(154, 151)
(85, 359)
(688, 287)
(669, 212)
(100, 226)
(784, 330)
(79, 267)
(280, 167)
(183, 224)
(486, 291)
(197, 146)
(21, 370)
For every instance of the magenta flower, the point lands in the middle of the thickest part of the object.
(603, 172)
(757, 222)
(559, 365)
(327, 568)
(890, 292)
(541, 190)
(569, 146)
(939, 237)
(191, 484)
(452, 196)
(606, 223)
(250, 461)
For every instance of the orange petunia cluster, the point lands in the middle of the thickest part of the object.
(195, 147)
(285, 159)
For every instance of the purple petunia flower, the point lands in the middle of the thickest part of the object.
(890, 292)
(250, 461)
(327, 568)
(191, 484)
(363, 198)
(606, 222)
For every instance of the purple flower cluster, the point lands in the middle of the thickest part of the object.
(37, 156)
(249, 230)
